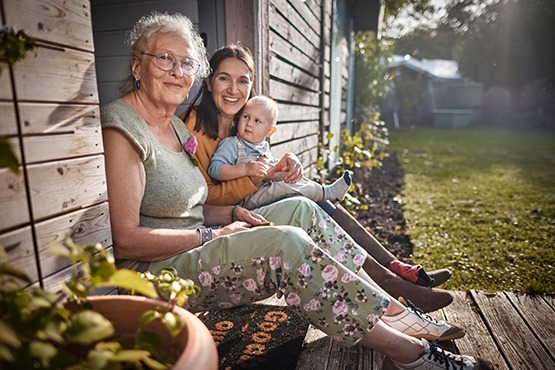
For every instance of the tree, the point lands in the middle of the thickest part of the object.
(427, 43)
(372, 82)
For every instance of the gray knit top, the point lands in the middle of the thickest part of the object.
(175, 188)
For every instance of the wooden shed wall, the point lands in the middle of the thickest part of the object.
(50, 113)
(293, 50)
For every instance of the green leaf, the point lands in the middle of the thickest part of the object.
(153, 364)
(7, 157)
(12, 271)
(173, 322)
(8, 335)
(42, 350)
(147, 317)
(98, 359)
(131, 355)
(6, 354)
(131, 280)
(87, 327)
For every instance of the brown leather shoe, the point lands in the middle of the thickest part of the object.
(440, 276)
(427, 299)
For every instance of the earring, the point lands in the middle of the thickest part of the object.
(137, 84)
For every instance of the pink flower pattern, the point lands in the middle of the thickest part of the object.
(323, 286)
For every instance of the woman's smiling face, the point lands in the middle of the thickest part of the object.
(164, 87)
(230, 86)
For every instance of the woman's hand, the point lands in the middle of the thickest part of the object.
(243, 214)
(292, 168)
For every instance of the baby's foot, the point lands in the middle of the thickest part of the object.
(339, 188)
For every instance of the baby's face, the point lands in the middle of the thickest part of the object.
(255, 123)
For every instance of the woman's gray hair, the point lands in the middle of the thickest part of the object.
(149, 26)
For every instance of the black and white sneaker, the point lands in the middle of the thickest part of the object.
(436, 358)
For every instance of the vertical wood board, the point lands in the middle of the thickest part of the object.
(67, 22)
(61, 75)
(477, 341)
(64, 186)
(513, 336)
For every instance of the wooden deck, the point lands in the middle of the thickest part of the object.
(513, 331)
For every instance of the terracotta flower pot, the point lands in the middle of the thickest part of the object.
(199, 349)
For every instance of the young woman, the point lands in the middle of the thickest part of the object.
(222, 95)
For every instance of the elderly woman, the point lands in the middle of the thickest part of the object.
(222, 95)
(159, 218)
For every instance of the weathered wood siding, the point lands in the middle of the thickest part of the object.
(50, 113)
(299, 75)
(293, 51)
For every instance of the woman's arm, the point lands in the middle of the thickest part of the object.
(126, 185)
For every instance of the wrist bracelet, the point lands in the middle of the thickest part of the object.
(205, 234)
(233, 212)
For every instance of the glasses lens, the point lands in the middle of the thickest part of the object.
(165, 61)
(189, 66)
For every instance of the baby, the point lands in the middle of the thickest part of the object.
(248, 154)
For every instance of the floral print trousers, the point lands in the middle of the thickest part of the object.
(310, 261)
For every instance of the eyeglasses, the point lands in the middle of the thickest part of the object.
(167, 62)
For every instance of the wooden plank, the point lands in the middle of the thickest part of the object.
(346, 358)
(5, 82)
(517, 343)
(550, 301)
(295, 130)
(288, 113)
(64, 75)
(291, 74)
(288, 93)
(289, 13)
(316, 355)
(283, 28)
(70, 131)
(86, 226)
(67, 22)
(477, 341)
(538, 315)
(13, 197)
(18, 245)
(64, 186)
(240, 22)
(290, 53)
(8, 125)
(310, 16)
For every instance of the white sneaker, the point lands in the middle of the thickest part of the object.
(412, 321)
(436, 358)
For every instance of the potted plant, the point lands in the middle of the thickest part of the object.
(40, 329)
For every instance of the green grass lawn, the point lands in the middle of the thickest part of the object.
(482, 203)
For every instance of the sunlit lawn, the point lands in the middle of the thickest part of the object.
(481, 202)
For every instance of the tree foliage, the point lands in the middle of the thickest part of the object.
(504, 43)
(372, 82)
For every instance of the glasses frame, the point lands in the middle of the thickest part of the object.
(156, 56)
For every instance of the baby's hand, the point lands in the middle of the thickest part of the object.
(256, 168)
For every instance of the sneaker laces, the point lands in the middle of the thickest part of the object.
(421, 314)
(451, 360)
